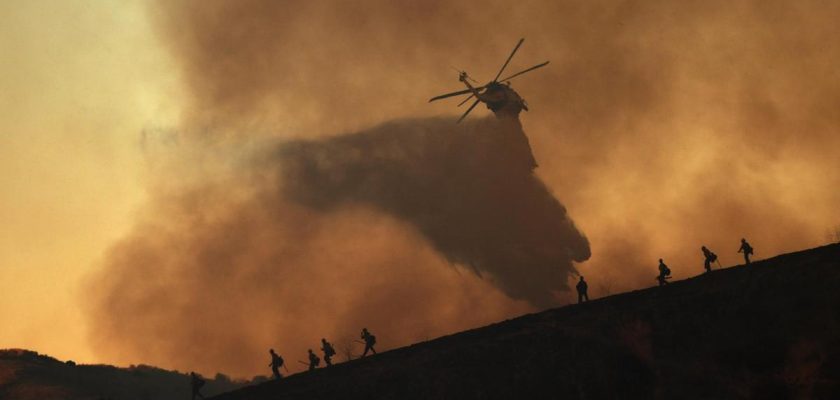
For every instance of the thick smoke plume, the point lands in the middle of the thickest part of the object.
(662, 125)
(467, 188)
(296, 241)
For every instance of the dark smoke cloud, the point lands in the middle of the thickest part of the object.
(287, 245)
(661, 125)
(290, 243)
(467, 188)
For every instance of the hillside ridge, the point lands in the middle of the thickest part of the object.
(767, 330)
(26, 374)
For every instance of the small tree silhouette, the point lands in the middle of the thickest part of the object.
(346, 348)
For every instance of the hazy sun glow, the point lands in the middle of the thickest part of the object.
(79, 82)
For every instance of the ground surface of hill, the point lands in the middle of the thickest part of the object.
(767, 331)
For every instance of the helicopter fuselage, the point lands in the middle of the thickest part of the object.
(501, 99)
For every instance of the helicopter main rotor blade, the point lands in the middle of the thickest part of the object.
(465, 100)
(468, 110)
(443, 96)
(508, 60)
(524, 71)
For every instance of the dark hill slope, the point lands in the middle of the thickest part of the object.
(27, 375)
(770, 330)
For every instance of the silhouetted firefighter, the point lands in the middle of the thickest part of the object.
(370, 340)
(581, 289)
(196, 383)
(276, 363)
(328, 350)
(664, 273)
(710, 258)
(313, 360)
(747, 250)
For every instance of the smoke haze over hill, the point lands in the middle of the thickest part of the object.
(660, 125)
(324, 237)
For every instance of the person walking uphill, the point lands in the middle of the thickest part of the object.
(710, 258)
(747, 250)
(581, 289)
(328, 350)
(196, 383)
(276, 363)
(664, 273)
(313, 360)
(370, 340)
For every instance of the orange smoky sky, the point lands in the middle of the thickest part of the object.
(661, 126)
(78, 81)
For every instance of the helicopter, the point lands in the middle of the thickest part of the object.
(497, 94)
